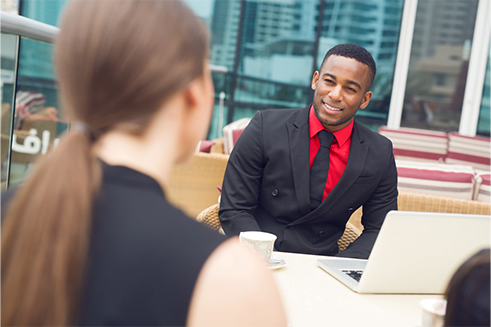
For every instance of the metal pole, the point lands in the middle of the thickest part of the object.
(318, 34)
(29, 28)
(233, 83)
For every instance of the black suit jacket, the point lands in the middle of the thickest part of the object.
(266, 186)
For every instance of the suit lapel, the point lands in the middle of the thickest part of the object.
(356, 162)
(298, 134)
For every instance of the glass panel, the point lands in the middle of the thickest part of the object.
(222, 17)
(276, 52)
(243, 112)
(9, 62)
(202, 9)
(264, 91)
(213, 13)
(10, 6)
(39, 120)
(438, 64)
(277, 48)
(218, 121)
(45, 11)
(224, 27)
(374, 25)
(484, 121)
(221, 83)
(36, 56)
(220, 110)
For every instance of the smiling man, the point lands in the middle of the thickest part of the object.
(301, 173)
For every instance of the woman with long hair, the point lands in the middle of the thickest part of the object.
(468, 293)
(89, 238)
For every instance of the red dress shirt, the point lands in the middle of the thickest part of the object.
(338, 153)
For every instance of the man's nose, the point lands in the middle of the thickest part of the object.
(335, 93)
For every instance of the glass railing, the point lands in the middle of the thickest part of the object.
(32, 120)
(9, 50)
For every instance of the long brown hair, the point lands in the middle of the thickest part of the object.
(117, 62)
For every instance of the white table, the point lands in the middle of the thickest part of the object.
(312, 297)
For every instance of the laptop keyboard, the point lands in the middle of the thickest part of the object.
(355, 274)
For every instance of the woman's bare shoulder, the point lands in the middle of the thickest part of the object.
(235, 288)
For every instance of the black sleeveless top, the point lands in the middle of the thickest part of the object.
(145, 255)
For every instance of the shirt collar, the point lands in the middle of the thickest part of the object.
(315, 126)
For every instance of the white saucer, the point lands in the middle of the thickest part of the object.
(276, 262)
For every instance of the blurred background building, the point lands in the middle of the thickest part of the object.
(272, 48)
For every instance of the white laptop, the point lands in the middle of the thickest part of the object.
(415, 253)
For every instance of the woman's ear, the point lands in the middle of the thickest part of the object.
(192, 94)
(197, 101)
(199, 93)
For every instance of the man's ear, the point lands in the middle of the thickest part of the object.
(366, 100)
(315, 78)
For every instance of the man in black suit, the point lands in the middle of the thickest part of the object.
(270, 184)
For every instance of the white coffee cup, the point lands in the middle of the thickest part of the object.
(260, 242)
(433, 312)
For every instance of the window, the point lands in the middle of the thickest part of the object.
(273, 67)
(438, 67)
(379, 38)
(276, 56)
(484, 122)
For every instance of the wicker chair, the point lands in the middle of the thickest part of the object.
(193, 187)
(209, 217)
(406, 202)
(350, 234)
(430, 203)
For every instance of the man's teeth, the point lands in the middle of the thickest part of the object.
(332, 108)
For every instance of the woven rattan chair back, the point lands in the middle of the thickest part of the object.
(209, 217)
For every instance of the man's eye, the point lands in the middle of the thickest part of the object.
(328, 81)
(351, 89)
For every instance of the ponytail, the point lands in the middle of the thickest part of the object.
(45, 237)
(117, 62)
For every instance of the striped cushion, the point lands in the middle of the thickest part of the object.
(437, 179)
(465, 150)
(482, 189)
(231, 133)
(204, 146)
(416, 144)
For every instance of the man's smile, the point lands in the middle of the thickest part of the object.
(331, 108)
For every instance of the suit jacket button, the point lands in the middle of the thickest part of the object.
(275, 192)
(321, 233)
(291, 227)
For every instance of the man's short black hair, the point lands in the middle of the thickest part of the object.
(357, 53)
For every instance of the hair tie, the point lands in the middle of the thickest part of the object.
(79, 126)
